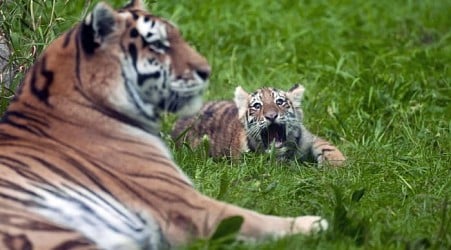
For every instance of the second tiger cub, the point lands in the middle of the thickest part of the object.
(264, 120)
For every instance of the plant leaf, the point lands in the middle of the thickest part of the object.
(228, 227)
(357, 195)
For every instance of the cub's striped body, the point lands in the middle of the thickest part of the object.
(217, 122)
(81, 163)
(268, 118)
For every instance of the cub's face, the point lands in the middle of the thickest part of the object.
(270, 116)
(159, 70)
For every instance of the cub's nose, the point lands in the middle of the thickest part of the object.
(271, 116)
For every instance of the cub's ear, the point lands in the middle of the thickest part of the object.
(135, 4)
(241, 99)
(295, 94)
(98, 25)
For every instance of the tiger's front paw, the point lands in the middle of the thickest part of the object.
(332, 157)
(309, 225)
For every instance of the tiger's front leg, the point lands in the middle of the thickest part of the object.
(325, 152)
(202, 217)
(260, 226)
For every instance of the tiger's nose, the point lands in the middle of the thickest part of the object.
(271, 116)
(204, 72)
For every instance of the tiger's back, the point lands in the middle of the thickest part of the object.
(218, 123)
(90, 193)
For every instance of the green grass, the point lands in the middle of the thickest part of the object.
(377, 75)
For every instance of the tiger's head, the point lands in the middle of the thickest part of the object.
(271, 116)
(126, 63)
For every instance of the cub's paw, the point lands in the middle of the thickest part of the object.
(309, 225)
(331, 156)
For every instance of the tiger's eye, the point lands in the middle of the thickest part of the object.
(279, 101)
(257, 105)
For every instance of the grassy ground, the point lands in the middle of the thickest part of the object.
(377, 75)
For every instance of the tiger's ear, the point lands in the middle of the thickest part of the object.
(295, 94)
(241, 99)
(98, 25)
(135, 4)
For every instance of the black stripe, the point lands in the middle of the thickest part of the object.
(133, 51)
(34, 72)
(30, 129)
(48, 75)
(42, 93)
(144, 77)
(4, 159)
(52, 168)
(74, 244)
(26, 116)
(31, 175)
(26, 203)
(20, 145)
(209, 111)
(77, 57)
(67, 37)
(7, 136)
(21, 169)
(86, 37)
(17, 220)
(6, 184)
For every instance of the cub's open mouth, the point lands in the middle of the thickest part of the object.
(274, 133)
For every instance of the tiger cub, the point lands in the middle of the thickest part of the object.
(268, 119)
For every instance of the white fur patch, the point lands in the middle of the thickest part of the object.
(152, 31)
(98, 216)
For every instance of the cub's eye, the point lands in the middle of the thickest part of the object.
(257, 105)
(280, 101)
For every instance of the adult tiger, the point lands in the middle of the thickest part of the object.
(81, 165)
(267, 119)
